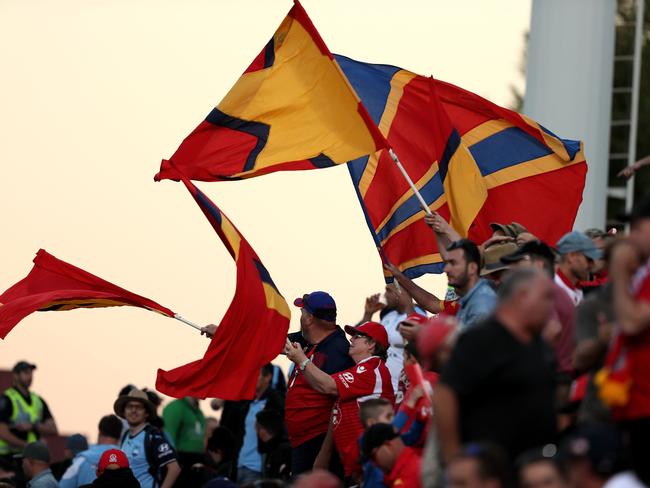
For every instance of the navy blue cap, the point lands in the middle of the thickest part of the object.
(23, 366)
(578, 242)
(318, 303)
(76, 443)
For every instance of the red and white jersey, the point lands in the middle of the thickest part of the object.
(367, 379)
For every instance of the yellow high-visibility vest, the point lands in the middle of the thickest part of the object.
(22, 412)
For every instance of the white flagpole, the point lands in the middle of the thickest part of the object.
(408, 179)
(185, 321)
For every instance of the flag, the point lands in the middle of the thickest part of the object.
(54, 285)
(464, 186)
(292, 109)
(531, 175)
(252, 332)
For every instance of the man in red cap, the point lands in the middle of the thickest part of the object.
(368, 378)
(113, 470)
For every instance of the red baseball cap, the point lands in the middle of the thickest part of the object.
(416, 318)
(371, 329)
(112, 459)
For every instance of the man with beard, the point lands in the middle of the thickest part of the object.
(145, 446)
(477, 298)
(462, 266)
(307, 410)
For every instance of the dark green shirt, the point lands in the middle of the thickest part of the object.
(185, 425)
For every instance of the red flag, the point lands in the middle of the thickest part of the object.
(54, 285)
(252, 332)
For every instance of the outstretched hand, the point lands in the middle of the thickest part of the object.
(373, 304)
(438, 224)
(627, 172)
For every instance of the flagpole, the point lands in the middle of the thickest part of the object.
(185, 321)
(408, 179)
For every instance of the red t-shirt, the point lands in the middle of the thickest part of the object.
(637, 348)
(367, 379)
(449, 307)
(307, 412)
(564, 311)
(406, 472)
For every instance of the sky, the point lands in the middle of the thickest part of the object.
(94, 94)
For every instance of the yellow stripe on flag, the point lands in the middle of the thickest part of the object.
(465, 189)
(305, 101)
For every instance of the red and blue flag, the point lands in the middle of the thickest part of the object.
(531, 175)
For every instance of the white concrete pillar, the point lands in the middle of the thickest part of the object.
(569, 83)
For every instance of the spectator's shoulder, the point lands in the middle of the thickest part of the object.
(483, 331)
(172, 406)
(339, 336)
(487, 292)
(274, 401)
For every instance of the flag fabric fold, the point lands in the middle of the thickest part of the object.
(252, 332)
(531, 175)
(54, 285)
(292, 109)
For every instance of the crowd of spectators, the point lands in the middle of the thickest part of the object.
(533, 371)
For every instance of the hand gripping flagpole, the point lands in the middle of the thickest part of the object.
(408, 179)
(185, 321)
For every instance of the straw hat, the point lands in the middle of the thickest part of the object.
(134, 395)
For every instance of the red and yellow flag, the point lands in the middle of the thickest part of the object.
(292, 109)
(252, 332)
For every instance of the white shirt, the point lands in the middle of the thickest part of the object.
(395, 361)
(626, 479)
(576, 294)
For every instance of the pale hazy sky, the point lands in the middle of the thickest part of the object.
(93, 94)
